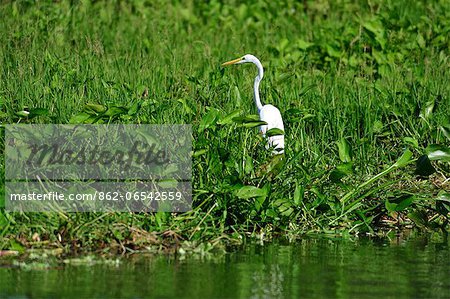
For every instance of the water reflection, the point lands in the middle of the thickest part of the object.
(268, 282)
(311, 268)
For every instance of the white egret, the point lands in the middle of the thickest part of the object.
(267, 113)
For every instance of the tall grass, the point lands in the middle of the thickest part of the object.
(357, 84)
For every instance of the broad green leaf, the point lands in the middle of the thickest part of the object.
(299, 193)
(376, 28)
(95, 108)
(333, 52)
(405, 159)
(209, 119)
(199, 153)
(237, 96)
(254, 124)
(411, 141)
(443, 203)
(344, 150)
(271, 213)
(303, 45)
(246, 119)
(23, 113)
(419, 217)
(282, 45)
(248, 167)
(284, 206)
(259, 200)
(401, 204)
(379, 56)
(293, 112)
(346, 168)
(134, 108)
(421, 41)
(308, 115)
(242, 12)
(390, 206)
(228, 119)
(406, 202)
(186, 107)
(274, 132)
(342, 170)
(443, 196)
(80, 118)
(38, 112)
(320, 197)
(438, 152)
(274, 164)
(250, 191)
(115, 111)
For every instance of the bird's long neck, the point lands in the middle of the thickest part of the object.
(256, 86)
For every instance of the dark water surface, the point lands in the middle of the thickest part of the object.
(311, 268)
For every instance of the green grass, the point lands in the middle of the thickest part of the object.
(358, 85)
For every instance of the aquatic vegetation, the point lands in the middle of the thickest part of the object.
(362, 87)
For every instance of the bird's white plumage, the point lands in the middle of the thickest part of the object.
(267, 113)
(272, 116)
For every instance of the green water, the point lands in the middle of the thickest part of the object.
(417, 268)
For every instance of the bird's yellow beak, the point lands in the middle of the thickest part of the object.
(232, 61)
